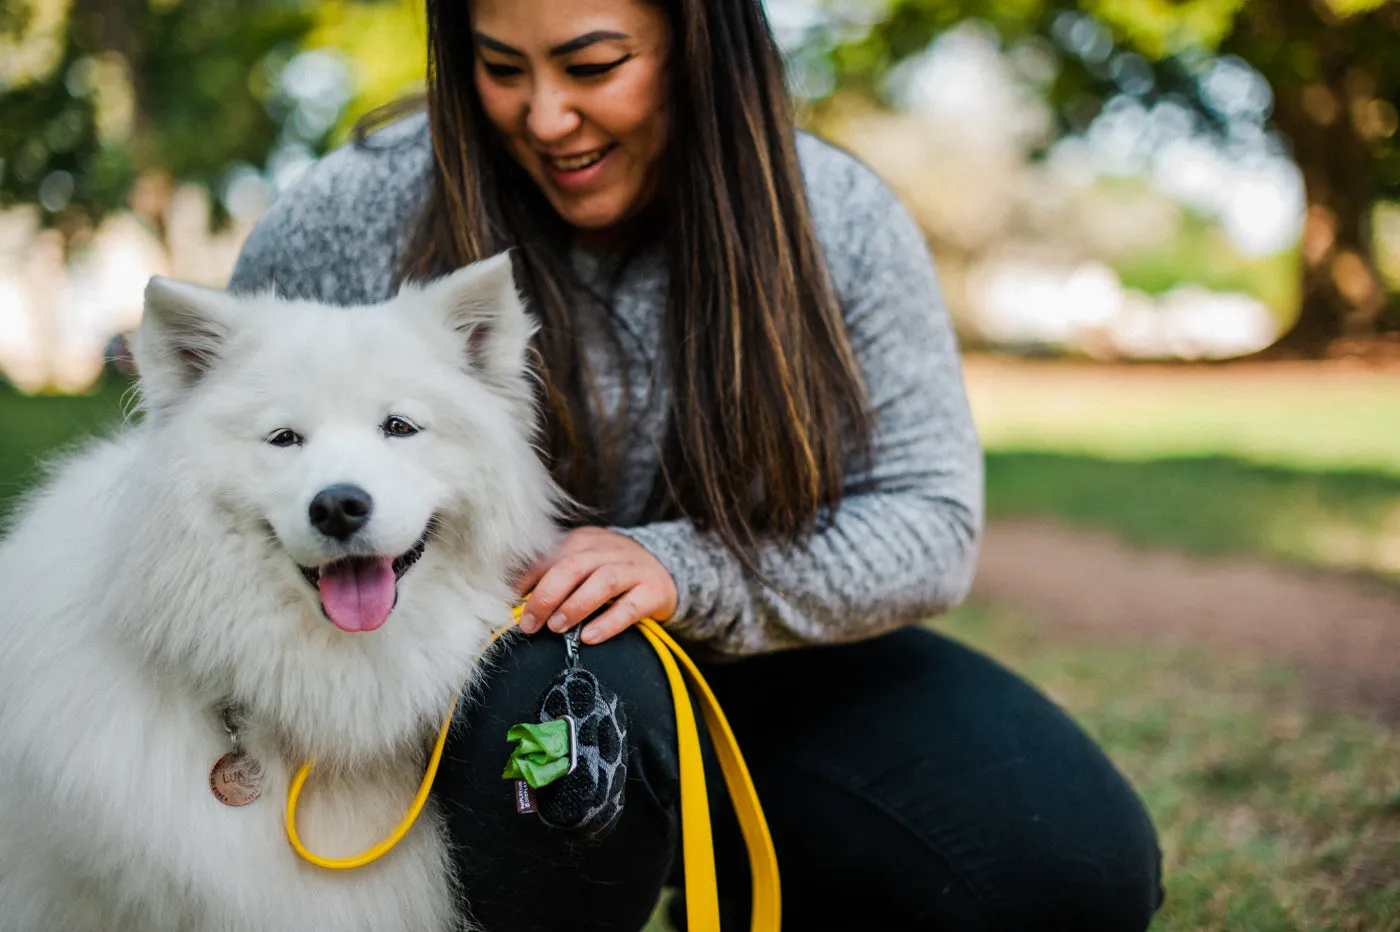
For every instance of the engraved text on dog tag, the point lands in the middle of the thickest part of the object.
(236, 779)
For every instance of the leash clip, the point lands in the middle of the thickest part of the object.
(571, 648)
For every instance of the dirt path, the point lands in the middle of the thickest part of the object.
(1343, 633)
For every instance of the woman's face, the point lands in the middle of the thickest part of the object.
(578, 90)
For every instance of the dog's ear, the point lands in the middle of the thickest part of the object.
(483, 308)
(183, 330)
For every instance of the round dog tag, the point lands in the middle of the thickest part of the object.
(236, 779)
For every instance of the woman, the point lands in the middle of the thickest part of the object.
(751, 384)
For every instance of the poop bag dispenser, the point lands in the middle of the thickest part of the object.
(570, 765)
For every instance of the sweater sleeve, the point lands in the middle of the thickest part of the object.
(902, 546)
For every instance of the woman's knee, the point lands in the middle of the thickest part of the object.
(952, 786)
(520, 670)
(519, 873)
(1101, 876)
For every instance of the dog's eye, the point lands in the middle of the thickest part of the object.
(285, 437)
(395, 426)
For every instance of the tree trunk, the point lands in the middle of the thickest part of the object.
(1342, 296)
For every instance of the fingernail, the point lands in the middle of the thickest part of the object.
(589, 636)
(527, 622)
(557, 622)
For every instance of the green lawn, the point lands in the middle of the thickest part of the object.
(1330, 420)
(36, 428)
(1346, 519)
(1301, 465)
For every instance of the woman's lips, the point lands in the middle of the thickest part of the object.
(580, 171)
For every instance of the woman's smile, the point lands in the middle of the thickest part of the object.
(581, 171)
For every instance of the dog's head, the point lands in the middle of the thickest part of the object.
(344, 442)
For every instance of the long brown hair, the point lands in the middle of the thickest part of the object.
(767, 402)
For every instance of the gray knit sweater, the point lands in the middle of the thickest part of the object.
(903, 544)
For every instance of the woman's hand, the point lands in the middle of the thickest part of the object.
(591, 567)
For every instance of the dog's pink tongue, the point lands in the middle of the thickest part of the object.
(358, 595)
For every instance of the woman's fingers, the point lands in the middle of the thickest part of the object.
(555, 585)
(602, 585)
(591, 568)
(621, 615)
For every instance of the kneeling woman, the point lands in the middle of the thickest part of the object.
(751, 384)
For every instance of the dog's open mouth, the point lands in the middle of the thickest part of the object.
(358, 593)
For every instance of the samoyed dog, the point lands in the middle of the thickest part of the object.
(298, 553)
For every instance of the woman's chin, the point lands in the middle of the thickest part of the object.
(593, 222)
(597, 214)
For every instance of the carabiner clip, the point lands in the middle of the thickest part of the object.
(571, 648)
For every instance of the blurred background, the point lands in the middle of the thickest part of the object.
(1169, 233)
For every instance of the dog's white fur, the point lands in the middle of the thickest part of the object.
(154, 577)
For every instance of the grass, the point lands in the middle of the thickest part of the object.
(34, 428)
(1296, 464)
(1211, 505)
(1271, 816)
(1319, 417)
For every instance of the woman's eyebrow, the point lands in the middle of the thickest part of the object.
(496, 45)
(563, 48)
(584, 41)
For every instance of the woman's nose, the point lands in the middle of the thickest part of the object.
(552, 114)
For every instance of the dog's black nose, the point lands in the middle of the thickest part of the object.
(340, 510)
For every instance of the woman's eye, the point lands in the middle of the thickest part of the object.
(285, 437)
(594, 70)
(500, 71)
(395, 426)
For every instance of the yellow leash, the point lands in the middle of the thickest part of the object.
(701, 891)
(701, 888)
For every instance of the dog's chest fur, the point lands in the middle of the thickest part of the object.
(409, 888)
(221, 868)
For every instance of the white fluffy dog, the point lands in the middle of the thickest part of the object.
(308, 538)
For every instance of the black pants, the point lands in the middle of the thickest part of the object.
(909, 782)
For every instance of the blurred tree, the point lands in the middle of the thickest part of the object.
(387, 43)
(107, 101)
(1334, 70)
(105, 104)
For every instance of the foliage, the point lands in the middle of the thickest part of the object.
(1102, 43)
(387, 44)
(1202, 254)
(103, 102)
(1333, 81)
(155, 88)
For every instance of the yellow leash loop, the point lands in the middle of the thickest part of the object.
(381, 849)
(414, 810)
(701, 887)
